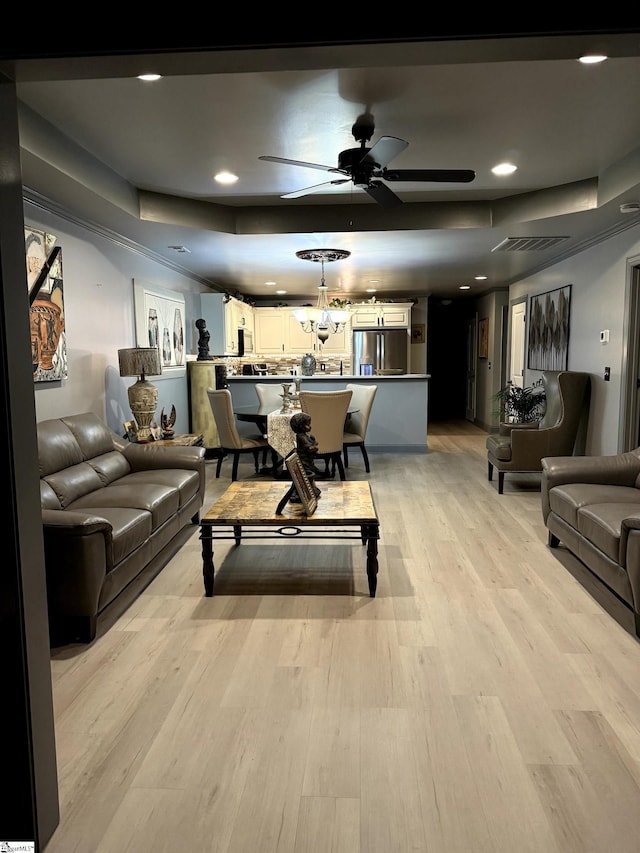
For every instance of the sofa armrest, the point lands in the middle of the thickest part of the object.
(145, 457)
(78, 555)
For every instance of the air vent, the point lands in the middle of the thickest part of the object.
(528, 244)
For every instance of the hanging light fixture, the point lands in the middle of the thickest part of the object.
(322, 320)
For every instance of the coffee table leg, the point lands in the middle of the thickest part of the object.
(371, 533)
(237, 533)
(206, 537)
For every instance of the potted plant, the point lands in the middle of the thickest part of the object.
(521, 405)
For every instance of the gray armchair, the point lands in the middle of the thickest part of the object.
(519, 448)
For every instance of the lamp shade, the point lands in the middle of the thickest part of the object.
(139, 361)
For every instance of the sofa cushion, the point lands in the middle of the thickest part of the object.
(160, 501)
(601, 524)
(70, 484)
(131, 528)
(186, 482)
(567, 499)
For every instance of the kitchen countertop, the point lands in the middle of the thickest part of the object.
(321, 375)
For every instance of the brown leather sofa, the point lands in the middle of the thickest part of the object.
(113, 514)
(592, 505)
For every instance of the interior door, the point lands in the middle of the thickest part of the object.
(472, 366)
(518, 343)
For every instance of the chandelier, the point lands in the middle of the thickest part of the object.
(322, 320)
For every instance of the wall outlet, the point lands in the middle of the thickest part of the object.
(604, 336)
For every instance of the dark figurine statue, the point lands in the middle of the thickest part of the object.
(307, 447)
(203, 341)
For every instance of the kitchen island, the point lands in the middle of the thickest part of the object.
(398, 422)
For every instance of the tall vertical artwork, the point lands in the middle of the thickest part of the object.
(549, 329)
(46, 297)
(160, 322)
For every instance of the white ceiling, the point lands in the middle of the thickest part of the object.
(138, 158)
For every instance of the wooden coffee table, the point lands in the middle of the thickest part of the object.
(248, 507)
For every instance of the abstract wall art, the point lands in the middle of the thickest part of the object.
(549, 329)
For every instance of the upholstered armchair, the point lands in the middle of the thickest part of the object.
(519, 448)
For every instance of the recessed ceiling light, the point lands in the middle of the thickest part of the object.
(149, 78)
(270, 283)
(504, 169)
(592, 58)
(281, 291)
(225, 177)
(465, 287)
(371, 290)
(480, 277)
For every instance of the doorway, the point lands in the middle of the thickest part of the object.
(518, 342)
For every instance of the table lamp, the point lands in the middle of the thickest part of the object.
(143, 396)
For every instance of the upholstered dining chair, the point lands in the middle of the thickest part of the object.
(561, 431)
(355, 429)
(268, 395)
(231, 442)
(328, 411)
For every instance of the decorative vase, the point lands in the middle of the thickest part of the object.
(46, 327)
(286, 397)
(308, 364)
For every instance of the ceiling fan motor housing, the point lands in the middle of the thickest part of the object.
(354, 161)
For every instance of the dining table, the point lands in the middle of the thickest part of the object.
(274, 426)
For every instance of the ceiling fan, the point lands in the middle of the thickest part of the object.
(364, 166)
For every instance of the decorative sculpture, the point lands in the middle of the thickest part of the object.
(307, 447)
(203, 340)
(167, 422)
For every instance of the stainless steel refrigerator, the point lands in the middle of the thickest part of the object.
(380, 349)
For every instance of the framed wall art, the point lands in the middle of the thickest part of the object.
(483, 338)
(548, 342)
(46, 299)
(417, 333)
(160, 322)
(301, 482)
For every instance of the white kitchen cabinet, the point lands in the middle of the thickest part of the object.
(223, 319)
(270, 330)
(378, 314)
(278, 331)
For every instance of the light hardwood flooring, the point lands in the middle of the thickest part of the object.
(486, 701)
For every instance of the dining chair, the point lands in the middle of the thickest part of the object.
(328, 411)
(268, 395)
(230, 439)
(355, 428)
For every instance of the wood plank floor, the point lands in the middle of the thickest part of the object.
(486, 701)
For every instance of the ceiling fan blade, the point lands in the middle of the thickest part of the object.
(385, 149)
(382, 194)
(447, 176)
(315, 188)
(299, 163)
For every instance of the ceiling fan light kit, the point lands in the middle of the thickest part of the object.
(322, 320)
(365, 166)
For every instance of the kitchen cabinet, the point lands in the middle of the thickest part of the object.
(278, 331)
(223, 319)
(377, 314)
(270, 330)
